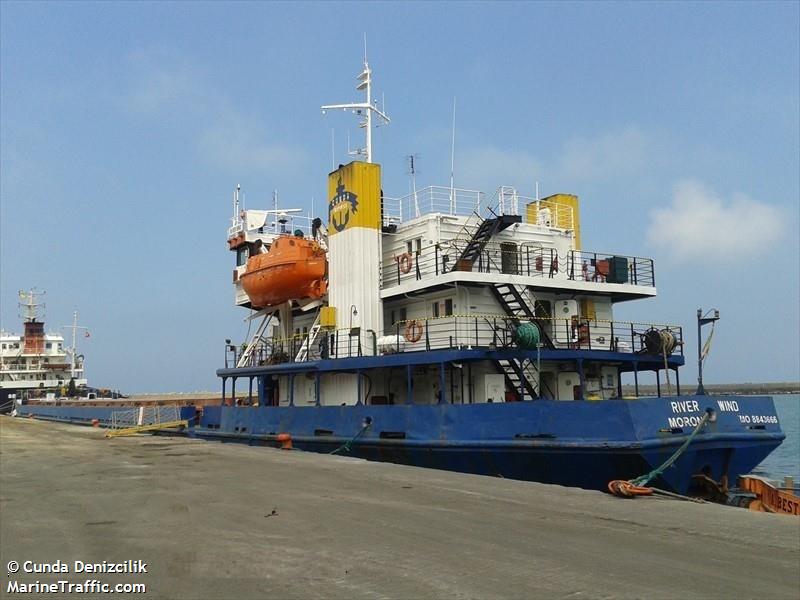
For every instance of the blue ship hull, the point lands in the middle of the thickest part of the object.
(581, 444)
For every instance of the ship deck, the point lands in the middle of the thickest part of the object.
(228, 520)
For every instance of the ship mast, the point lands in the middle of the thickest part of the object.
(74, 327)
(363, 109)
(29, 305)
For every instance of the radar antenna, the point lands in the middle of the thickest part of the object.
(30, 307)
(364, 109)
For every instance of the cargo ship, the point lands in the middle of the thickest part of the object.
(37, 364)
(451, 329)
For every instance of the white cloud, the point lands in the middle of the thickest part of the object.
(237, 143)
(160, 88)
(490, 167)
(224, 136)
(701, 225)
(611, 155)
(161, 81)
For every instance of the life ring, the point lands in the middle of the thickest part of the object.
(404, 262)
(413, 331)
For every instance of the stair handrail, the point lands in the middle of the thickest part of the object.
(254, 341)
(302, 354)
(465, 228)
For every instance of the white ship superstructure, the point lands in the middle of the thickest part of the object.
(502, 276)
(36, 363)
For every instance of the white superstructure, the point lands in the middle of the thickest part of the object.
(37, 363)
(451, 270)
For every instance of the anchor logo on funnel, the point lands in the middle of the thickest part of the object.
(341, 206)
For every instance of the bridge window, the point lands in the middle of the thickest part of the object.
(414, 245)
(242, 254)
(447, 305)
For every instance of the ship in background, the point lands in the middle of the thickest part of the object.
(37, 364)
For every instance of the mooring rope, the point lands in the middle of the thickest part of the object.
(638, 486)
(348, 444)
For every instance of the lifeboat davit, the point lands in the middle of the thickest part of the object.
(294, 268)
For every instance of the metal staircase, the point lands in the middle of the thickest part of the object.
(486, 230)
(302, 354)
(520, 376)
(244, 359)
(515, 306)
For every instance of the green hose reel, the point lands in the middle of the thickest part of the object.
(527, 336)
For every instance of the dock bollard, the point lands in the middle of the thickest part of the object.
(286, 441)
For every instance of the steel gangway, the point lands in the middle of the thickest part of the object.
(141, 419)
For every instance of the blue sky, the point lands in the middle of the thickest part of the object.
(124, 128)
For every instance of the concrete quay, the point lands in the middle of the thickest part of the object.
(216, 520)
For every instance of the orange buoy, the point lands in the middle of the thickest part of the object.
(294, 268)
(404, 261)
(413, 331)
(286, 441)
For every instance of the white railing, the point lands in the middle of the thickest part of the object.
(507, 201)
(462, 202)
(293, 223)
(545, 213)
(273, 225)
(237, 227)
(430, 200)
(42, 368)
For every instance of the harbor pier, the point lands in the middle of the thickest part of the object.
(215, 520)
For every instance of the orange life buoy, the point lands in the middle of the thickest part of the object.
(404, 262)
(413, 331)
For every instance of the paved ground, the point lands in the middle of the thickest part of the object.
(229, 521)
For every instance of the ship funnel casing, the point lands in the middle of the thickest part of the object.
(354, 245)
(34, 337)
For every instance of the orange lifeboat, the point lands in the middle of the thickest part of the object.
(294, 268)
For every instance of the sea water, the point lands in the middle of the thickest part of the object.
(785, 459)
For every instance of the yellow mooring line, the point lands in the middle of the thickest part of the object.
(143, 428)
